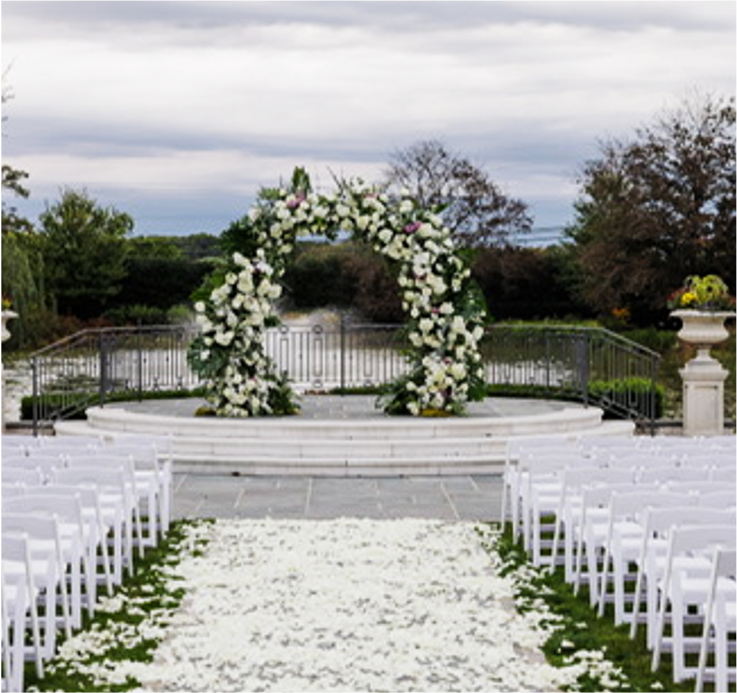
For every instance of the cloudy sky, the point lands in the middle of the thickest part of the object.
(177, 112)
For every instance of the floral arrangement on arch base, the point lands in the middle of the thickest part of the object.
(445, 314)
(708, 293)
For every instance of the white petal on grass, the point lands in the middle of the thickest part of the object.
(346, 605)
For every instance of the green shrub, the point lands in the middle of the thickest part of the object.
(629, 390)
(81, 401)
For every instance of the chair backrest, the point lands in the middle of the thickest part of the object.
(722, 500)
(62, 506)
(634, 503)
(92, 477)
(662, 520)
(664, 474)
(35, 527)
(726, 474)
(18, 475)
(695, 487)
(13, 490)
(72, 442)
(701, 538)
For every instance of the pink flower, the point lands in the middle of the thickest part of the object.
(411, 228)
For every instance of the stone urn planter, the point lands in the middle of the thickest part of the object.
(703, 329)
(703, 377)
(6, 315)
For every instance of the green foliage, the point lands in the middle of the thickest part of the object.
(154, 247)
(160, 282)
(629, 390)
(137, 315)
(657, 209)
(198, 246)
(22, 283)
(148, 591)
(582, 629)
(84, 252)
(82, 399)
(527, 283)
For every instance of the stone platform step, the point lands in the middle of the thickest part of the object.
(333, 442)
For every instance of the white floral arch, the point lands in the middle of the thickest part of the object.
(445, 315)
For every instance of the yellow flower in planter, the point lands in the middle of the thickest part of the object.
(708, 293)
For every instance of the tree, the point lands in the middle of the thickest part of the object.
(658, 209)
(84, 252)
(474, 207)
(12, 182)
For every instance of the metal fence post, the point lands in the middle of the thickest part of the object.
(342, 354)
(35, 392)
(139, 351)
(103, 369)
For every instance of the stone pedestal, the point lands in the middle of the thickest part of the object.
(703, 377)
(703, 398)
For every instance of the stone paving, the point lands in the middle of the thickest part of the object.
(468, 498)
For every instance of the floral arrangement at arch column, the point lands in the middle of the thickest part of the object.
(445, 314)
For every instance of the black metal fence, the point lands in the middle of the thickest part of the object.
(588, 364)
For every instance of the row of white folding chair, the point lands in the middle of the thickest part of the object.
(151, 461)
(720, 616)
(20, 596)
(562, 495)
(543, 457)
(103, 512)
(115, 501)
(143, 486)
(76, 526)
(611, 531)
(512, 477)
(686, 582)
(658, 524)
(55, 567)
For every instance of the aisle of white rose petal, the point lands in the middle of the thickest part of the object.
(350, 605)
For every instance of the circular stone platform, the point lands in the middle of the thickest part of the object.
(344, 436)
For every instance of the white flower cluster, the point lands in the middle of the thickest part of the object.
(444, 329)
(234, 322)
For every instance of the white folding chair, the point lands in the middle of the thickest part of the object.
(101, 523)
(541, 489)
(114, 496)
(73, 527)
(124, 463)
(20, 608)
(652, 556)
(720, 614)
(153, 482)
(592, 525)
(50, 556)
(624, 536)
(568, 510)
(686, 582)
(514, 476)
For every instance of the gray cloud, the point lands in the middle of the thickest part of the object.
(180, 111)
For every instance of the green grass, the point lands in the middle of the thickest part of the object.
(576, 635)
(150, 591)
(582, 629)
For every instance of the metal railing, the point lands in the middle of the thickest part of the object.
(592, 365)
